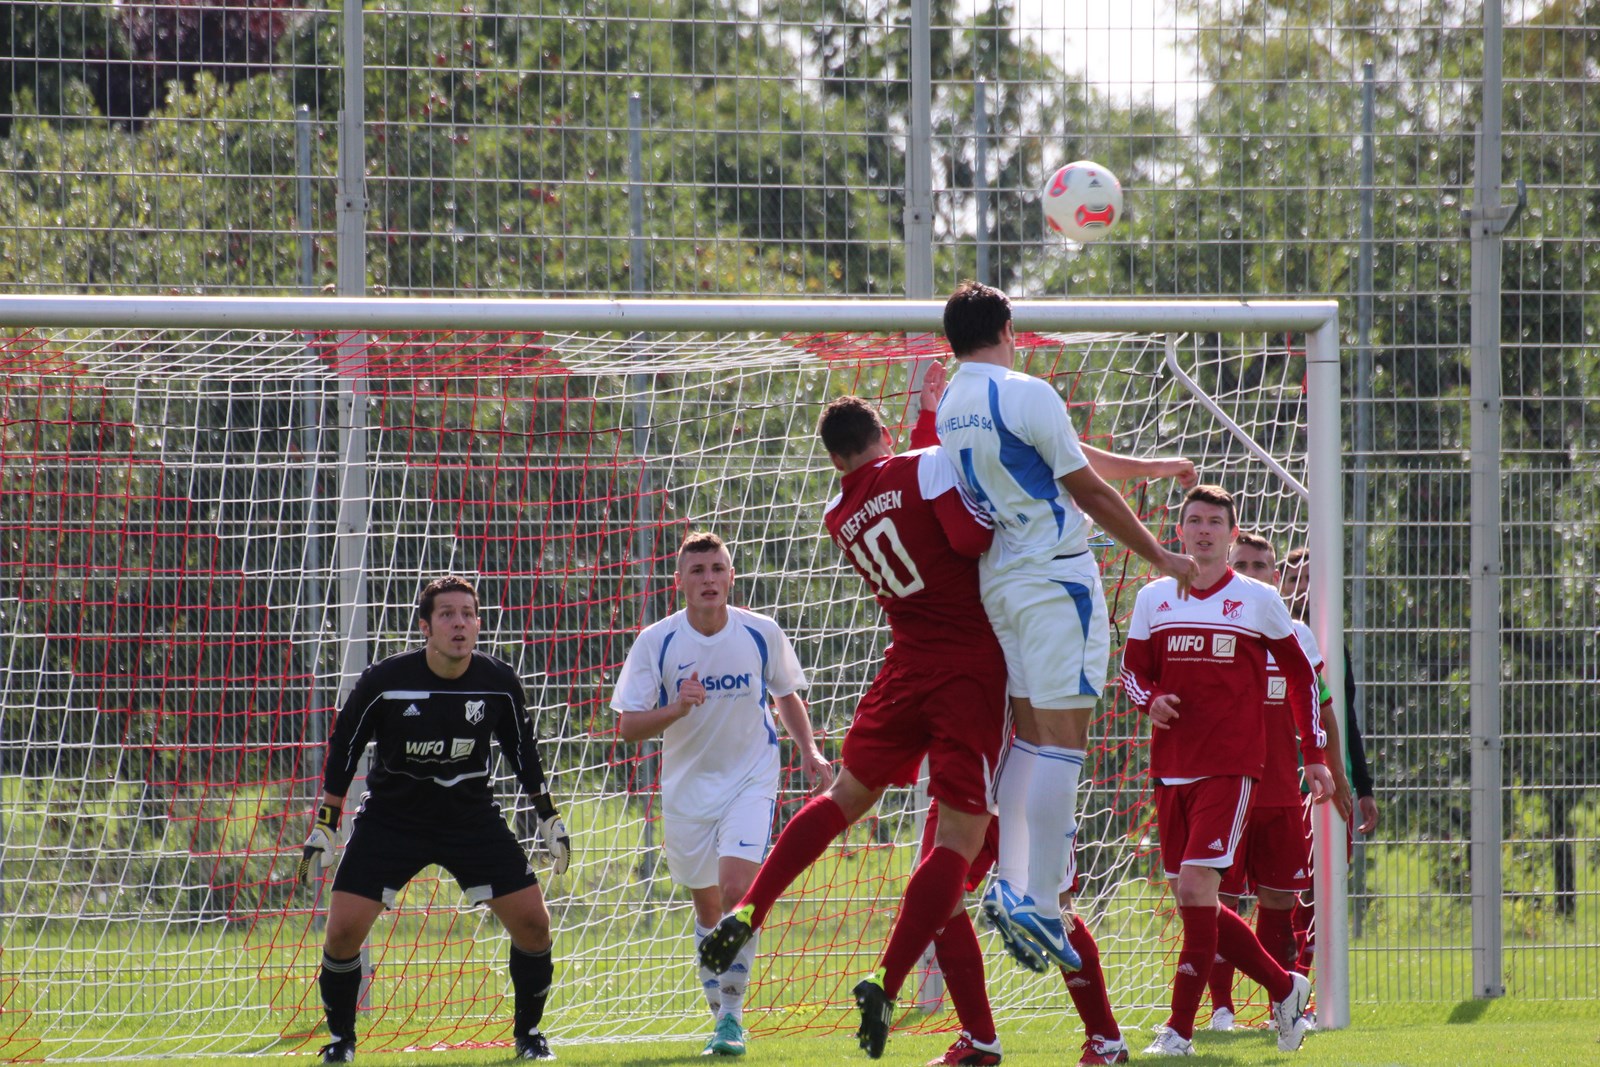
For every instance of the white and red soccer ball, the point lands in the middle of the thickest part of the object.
(1082, 201)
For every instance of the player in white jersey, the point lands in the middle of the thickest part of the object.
(706, 680)
(1019, 456)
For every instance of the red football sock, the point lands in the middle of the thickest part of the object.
(1305, 932)
(806, 837)
(935, 889)
(1087, 986)
(1194, 966)
(961, 959)
(1237, 942)
(1275, 931)
(1221, 983)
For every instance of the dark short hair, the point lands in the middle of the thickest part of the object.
(450, 583)
(701, 541)
(974, 316)
(1210, 494)
(849, 426)
(1297, 557)
(1247, 539)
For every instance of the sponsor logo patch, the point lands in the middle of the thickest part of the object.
(1217, 846)
(1164, 607)
(460, 747)
(411, 710)
(1277, 688)
(1223, 645)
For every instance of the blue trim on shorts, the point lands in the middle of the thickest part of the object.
(1085, 601)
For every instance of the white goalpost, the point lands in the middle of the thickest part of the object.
(216, 511)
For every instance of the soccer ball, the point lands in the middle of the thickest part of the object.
(1082, 200)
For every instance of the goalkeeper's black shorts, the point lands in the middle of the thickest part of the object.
(483, 855)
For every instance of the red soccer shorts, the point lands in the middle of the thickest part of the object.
(1275, 853)
(1306, 808)
(950, 710)
(1200, 823)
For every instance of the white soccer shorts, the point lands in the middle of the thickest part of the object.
(693, 846)
(1052, 622)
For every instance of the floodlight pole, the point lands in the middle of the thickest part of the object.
(1486, 221)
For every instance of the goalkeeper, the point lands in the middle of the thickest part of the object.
(431, 713)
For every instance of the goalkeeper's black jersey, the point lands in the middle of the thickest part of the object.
(432, 757)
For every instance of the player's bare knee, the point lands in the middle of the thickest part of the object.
(733, 891)
(854, 797)
(529, 931)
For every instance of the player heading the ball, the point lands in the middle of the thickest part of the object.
(1019, 456)
(906, 526)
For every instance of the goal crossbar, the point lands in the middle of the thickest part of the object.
(408, 313)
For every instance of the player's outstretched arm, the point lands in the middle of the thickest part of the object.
(1106, 507)
(797, 723)
(1115, 468)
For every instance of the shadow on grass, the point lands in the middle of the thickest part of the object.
(1468, 1011)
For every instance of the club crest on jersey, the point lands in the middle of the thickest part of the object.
(1232, 609)
(475, 711)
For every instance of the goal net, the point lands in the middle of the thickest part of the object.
(207, 531)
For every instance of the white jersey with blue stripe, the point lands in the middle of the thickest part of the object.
(1011, 441)
(728, 745)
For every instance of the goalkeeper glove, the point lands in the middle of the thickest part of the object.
(554, 840)
(317, 855)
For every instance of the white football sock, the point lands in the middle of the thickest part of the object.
(1011, 797)
(737, 979)
(1052, 804)
(710, 984)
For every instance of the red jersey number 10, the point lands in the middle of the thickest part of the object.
(882, 540)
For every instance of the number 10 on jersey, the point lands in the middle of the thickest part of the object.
(883, 540)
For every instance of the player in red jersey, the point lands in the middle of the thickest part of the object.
(961, 961)
(1198, 666)
(907, 526)
(1273, 860)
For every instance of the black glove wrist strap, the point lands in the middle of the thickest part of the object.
(544, 807)
(328, 815)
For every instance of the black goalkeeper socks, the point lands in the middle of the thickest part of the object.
(340, 981)
(531, 974)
